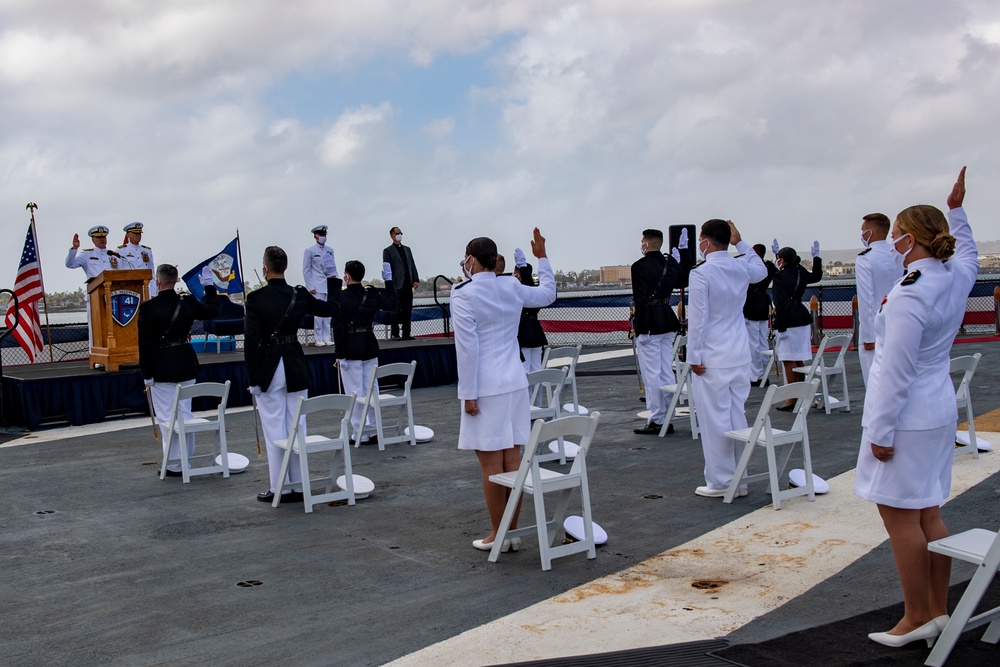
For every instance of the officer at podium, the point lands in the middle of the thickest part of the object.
(135, 255)
(93, 260)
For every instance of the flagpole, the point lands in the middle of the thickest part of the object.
(239, 262)
(41, 280)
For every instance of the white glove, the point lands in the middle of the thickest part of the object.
(775, 246)
(676, 254)
(815, 249)
(149, 382)
(255, 390)
(386, 271)
(519, 259)
(207, 277)
(329, 265)
(682, 242)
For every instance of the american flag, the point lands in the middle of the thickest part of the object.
(28, 288)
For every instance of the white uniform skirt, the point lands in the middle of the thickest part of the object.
(917, 476)
(503, 421)
(794, 344)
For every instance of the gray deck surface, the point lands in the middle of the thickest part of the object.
(131, 570)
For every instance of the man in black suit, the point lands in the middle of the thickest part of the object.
(406, 280)
(357, 348)
(654, 278)
(276, 365)
(756, 312)
(166, 358)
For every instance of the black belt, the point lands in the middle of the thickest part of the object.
(173, 343)
(659, 302)
(282, 340)
(351, 330)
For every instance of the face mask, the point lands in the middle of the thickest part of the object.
(465, 269)
(321, 240)
(899, 257)
(399, 238)
(703, 251)
(864, 238)
(643, 248)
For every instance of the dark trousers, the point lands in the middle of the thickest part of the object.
(404, 311)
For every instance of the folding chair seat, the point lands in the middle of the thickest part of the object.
(299, 442)
(184, 427)
(768, 438)
(398, 424)
(819, 369)
(967, 367)
(545, 392)
(555, 357)
(536, 481)
(981, 548)
(681, 394)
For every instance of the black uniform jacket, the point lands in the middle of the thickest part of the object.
(653, 314)
(165, 355)
(356, 309)
(529, 329)
(267, 342)
(395, 256)
(758, 303)
(789, 286)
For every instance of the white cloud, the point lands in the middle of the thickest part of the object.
(440, 128)
(350, 132)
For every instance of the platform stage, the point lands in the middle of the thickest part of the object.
(70, 392)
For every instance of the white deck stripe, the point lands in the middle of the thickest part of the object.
(759, 561)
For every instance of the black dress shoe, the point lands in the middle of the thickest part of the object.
(266, 497)
(650, 428)
(292, 497)
(407, 337)
(786, 408)
(174, 473)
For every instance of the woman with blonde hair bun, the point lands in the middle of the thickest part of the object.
(910, 416)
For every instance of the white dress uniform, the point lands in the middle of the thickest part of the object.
(138, 256)
(93, 261)
(876, 274)
(485, 313)
(910, 402)
(315, 280)
(717, 339)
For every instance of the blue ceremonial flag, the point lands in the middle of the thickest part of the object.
(225, 269)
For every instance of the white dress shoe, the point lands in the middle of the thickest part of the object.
(929, 631)
(488, 546)
(709, 492)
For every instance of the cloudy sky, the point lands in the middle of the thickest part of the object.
(592, 120)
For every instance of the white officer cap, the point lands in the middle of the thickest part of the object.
(99, 230)
(133, 227)
(319, 229)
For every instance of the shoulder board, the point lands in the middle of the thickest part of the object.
(146, 247)
(462, 284)
(123, 245)
(913, 277)
(301, 287)
(85, 249)
(864, 252)
(742, 254)
(697, 265)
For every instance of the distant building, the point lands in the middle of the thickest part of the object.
(616, 274)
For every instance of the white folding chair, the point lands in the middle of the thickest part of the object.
(819, 369)
(765, 436)
(675, 352)
(963, 397)
(531, 478)
(772, 359)
(379, 402)
(545, 392)
(298, 442)
(681, 394)
(982, 548)
(184, 427)
(556, 357)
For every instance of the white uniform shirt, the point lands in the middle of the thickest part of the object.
(717, 290)
(312, 267)
(139, 257)
(876, 274)
(485, 313)
(93, 261)
(910, 387)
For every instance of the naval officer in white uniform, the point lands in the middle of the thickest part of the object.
(718, 347)
(492, 385)
(908, 427)
(137, 256)
(876, 274)
(312, 274)
(93, 261)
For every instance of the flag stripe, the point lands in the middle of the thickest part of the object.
(28, 288)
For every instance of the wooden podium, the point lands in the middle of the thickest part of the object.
(114, 298)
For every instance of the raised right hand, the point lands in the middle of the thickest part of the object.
(76, 241)
(957, 195)
(538, 244)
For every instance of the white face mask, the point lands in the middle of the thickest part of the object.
(643, 248)
(899, 257)
(865, 236)
(398, 237)
(465, 268)
(703, 251)
(321, 240)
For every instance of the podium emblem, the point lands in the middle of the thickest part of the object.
(124, 306)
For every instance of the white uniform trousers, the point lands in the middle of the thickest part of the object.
(162, 394)
(277, 408)
(866, 357)
(532, 359)
(757, 332)
(321, 325)
(655, 352)
(356, 376)
(721, 394)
